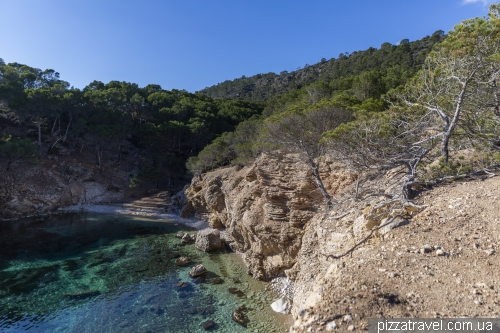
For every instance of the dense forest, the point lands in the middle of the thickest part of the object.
(42, 115)
(392, 63)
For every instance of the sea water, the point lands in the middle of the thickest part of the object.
(110, 273)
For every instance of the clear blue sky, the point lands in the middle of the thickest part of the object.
(192, 44)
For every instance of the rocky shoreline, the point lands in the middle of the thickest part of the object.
(323, 263)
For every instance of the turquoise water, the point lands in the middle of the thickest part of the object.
(109, 273)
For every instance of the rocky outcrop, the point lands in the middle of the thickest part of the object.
(264, 207)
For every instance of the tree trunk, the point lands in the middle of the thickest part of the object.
(449, 131)
(54, 126)
(67, 128)
(99, 158)
(319, 183)
(39, 125)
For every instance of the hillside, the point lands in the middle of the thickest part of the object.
(406, 58)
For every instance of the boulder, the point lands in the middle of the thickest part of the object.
(208, 240)
(197, 270)
(282, 305)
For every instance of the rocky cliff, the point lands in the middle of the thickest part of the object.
(370, 256)
(265, 208)
(67, 179)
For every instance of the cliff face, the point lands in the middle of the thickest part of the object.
(264, 207)
(68, 179)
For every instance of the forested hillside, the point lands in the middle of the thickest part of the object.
(393, 63)
(430, 107)
(41, 115)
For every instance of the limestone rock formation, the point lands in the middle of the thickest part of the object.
(264, 207)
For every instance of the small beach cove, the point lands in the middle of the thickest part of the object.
(103, 270)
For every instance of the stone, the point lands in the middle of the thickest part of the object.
(398, 222)
(351, 328)
(440, 253)
(426, 249)
(208, 324)
(208, 240)
(197, 270)
(347, 318)
(239, 317)
(182, 261)
(237, 292)
(331, 326)
(217, 280)
(282, 305)
(186, 239)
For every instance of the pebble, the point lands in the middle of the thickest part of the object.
(392, 275)
(347, 318)
(331, 326)
(350, 328)
(440, 253)
(426, 249)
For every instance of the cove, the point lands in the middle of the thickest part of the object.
(87, 272)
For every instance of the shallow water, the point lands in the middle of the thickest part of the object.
(110, 273)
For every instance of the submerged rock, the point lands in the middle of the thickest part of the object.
(236, 291)
(197, 270)
(82, 294)
(240, 317)
(208, 324)
(208, 240)
(182, 261)
(217, 280)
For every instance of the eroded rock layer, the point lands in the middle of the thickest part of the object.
(264, 207)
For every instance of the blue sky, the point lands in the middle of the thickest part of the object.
(192, 44)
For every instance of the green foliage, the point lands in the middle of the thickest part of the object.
(14, 150)
(390, 66)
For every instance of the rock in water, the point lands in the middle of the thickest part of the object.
(82, 294)
(282, 306)
(197, 270)
(186, 239)
(208, 324)
(240, 317)
(208, 240)
(182, 261)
